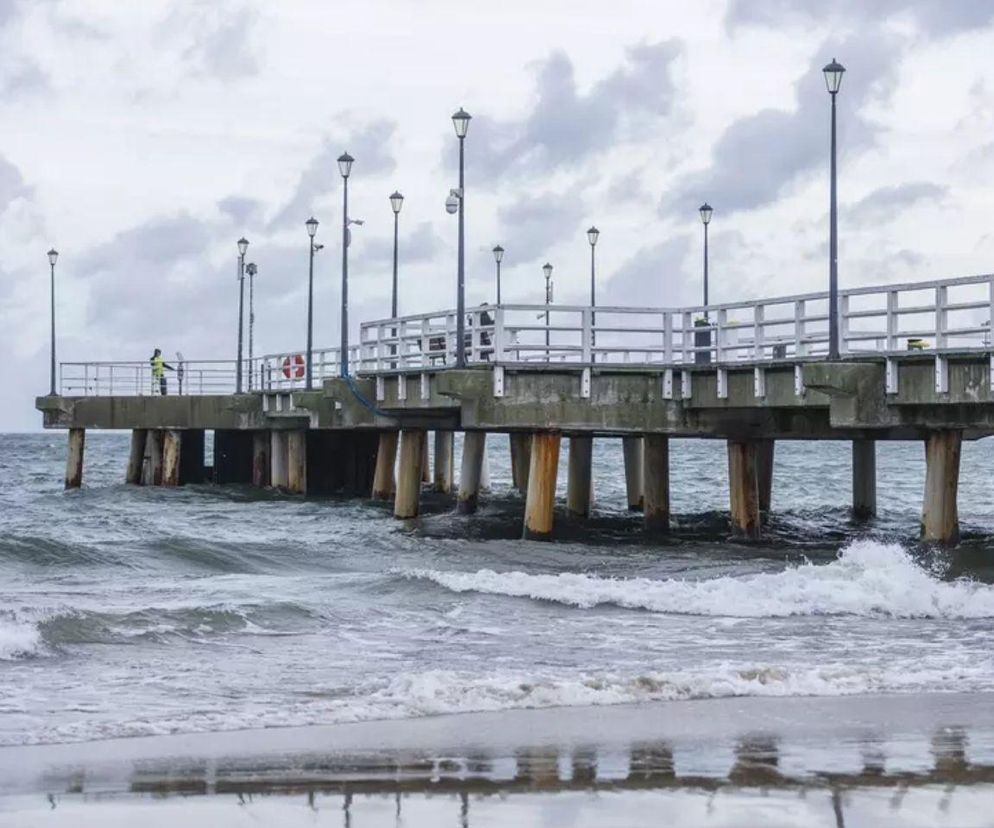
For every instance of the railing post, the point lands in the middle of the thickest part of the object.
(758, 315)
(800, 329)
(379, 347)
(499, 334)
(688, 338)
(451, 346)
(586, 336)
(667, 337)
(110, 370)
(474, 336)
(720, 333)
(941, 317)
(892, 320)
(843, 323)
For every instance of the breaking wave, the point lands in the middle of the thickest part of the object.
(18, 638)
(868, 579)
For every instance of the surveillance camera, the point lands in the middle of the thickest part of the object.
(451, 204)
(318, 247)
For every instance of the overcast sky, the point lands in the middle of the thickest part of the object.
(142, 139)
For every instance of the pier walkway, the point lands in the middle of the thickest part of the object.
(916, 363)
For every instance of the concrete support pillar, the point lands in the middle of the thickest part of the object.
(444, 444)
(384, 484)
(425, 463)
(521, 448)
(864, 479)
(764, 475)
(940, 520)
(578, 481)
(296, 461)
(172, 442)
(474, 446)
(632, 449)
(485, 472)
(656, 482)
(541, 499)
(412, 450)
(136, 456)
(743, 485)
(261, 461)
(279, 470)
(152, 475)
(74, 459)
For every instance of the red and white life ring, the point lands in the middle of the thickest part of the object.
(293, 366)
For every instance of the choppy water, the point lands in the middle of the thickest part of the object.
(136, 611)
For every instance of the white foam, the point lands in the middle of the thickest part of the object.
(17, 638)
(868, 578)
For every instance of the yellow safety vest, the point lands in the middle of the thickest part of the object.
(158, 367)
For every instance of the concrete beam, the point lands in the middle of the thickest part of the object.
(474, 447)
(407, 502)
(171, 444)
(864, 479)
(153, 458)
(940, 519)
(656, 482)
(296, 453)
(444, 454)
(743, 486)
(632, 449)
(136, 457)
(579, 480)
(384, 484)
(521, 447)
(74, 458)
(279, 468)
(541, 500)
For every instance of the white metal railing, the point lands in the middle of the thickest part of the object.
(82, 379)
(279, 372)
(938, 316)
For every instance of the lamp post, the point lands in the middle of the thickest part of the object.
(592, 235)
(705, 210)
(242, 249)
(460, 120)
(547, 270)
(251, 270)
(498, 256)
(345, 168)
(833, 80)
(312, 228)
(53, 256)
(396, 202)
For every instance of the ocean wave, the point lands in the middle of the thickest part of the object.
(868, 579)
(18, 638)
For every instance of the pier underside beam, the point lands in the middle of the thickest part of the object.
(444, 445)
(297, 461)
(743, 486)
(541, 500)
(407, 501)
(656, 482)
(864, 479)
(172, 442)
(470, 474)
(764, 474)
(940, 520)
(632, 449)
(279, 469)
(384, 484)
(261, 462)
(136, 456)
(521, 447)
(74, 458)
(579, 480)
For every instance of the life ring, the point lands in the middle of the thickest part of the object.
(293, 366)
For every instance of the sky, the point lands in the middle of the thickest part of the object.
(143, 139)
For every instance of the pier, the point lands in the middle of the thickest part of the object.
(916, 363)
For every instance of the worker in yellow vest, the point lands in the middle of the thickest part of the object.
(159, 368)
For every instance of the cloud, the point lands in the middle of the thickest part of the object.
(421, 245)
(221, 41)
(369, 145)
(935, 18)
(566, 126)
(241, 209)
(881, 205)
(11, 184)
(758, 156)
(535, 224)
(655, 276)
(24, 78)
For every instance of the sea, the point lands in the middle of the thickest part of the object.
(128, 611)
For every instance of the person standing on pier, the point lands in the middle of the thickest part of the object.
(159, 368)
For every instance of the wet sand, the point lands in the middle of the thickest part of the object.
(874, 760)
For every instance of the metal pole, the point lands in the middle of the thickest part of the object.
(705, 271)
(393, 303)
(498, 283)
(593, 304)
(345, 281)
(310, 317)
(546, 318)
(251, 324)
(461, 287)
(833, 258)
(52, 390)
(241, 318)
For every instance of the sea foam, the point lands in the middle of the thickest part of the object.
(17, 638)
(868, 578)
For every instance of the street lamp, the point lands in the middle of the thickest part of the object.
(592, 235)
(460, 120)
(833, 80)
(53, 256)
(498, 255)
(345, 168)
(396, 202)
(242, 249)
(705, 210)
(547, 270)
(312, 228)
(251, 270)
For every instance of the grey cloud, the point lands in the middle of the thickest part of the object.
(25, 78)
(565, 126)
(759, 155)
(654, 276)
(883, 203)
(534, 224)
(11, 183)
(936, 18)
(369, 145)
(421, 245)
(241, 209)
(221, 44)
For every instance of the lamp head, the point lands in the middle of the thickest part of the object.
(460, 120)
(705, 210)
(251, 269)
(547, 270)
(396, 202)
(498, 253)
(833, 76)
(53, 254)
(345, 164)
(592, 235)
(312, 226)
